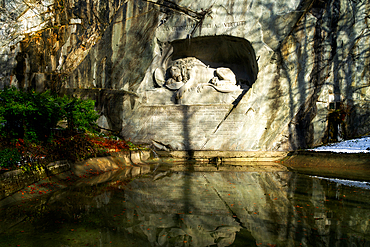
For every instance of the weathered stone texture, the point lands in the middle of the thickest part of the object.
(292, 60)
(49, 37)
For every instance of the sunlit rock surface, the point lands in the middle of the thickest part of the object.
(295, 63)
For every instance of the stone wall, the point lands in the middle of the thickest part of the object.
(16, 180)
(296, 64)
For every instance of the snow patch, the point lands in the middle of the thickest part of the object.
(361, 145)
(358, 184)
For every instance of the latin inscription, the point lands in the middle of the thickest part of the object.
(230, 127)
(188, 126)
(185, 121)
(204, 26)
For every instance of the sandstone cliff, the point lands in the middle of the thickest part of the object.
(302, 67)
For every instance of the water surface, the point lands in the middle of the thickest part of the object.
(191, 208)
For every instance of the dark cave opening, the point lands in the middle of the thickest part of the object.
(221, 51)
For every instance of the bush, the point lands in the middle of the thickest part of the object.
(9, 158)
(32, 116)
(73, 148)
(80, 114)
(28, 121)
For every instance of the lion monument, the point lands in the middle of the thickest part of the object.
(187, 74)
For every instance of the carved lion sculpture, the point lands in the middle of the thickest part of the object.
(188, 73)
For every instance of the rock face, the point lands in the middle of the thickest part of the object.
(234, 75)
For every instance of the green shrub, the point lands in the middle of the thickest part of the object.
(9, 158)
(28, 115)
(27, 120)
(32, 116)
(80, 114)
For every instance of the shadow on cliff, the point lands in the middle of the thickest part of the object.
(187, 187)
(288, 93)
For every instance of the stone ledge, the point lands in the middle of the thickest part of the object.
(15, 180)
(12, 181)
(354, 166)
(224, 156)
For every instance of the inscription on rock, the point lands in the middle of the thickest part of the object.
(230, 128)
(186, 27)
(185, 122)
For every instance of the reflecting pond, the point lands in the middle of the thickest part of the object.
(164, 207)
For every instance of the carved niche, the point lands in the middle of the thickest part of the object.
(201, 71)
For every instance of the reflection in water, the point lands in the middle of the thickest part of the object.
(193, 209)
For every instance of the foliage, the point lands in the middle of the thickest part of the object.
(73, 148)
(28, 136)
(32, 116)
(132, 146)
(109, 144)
(9, 157)
(82, 146)
(31, 156)
(80, 114)
(27, 115)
